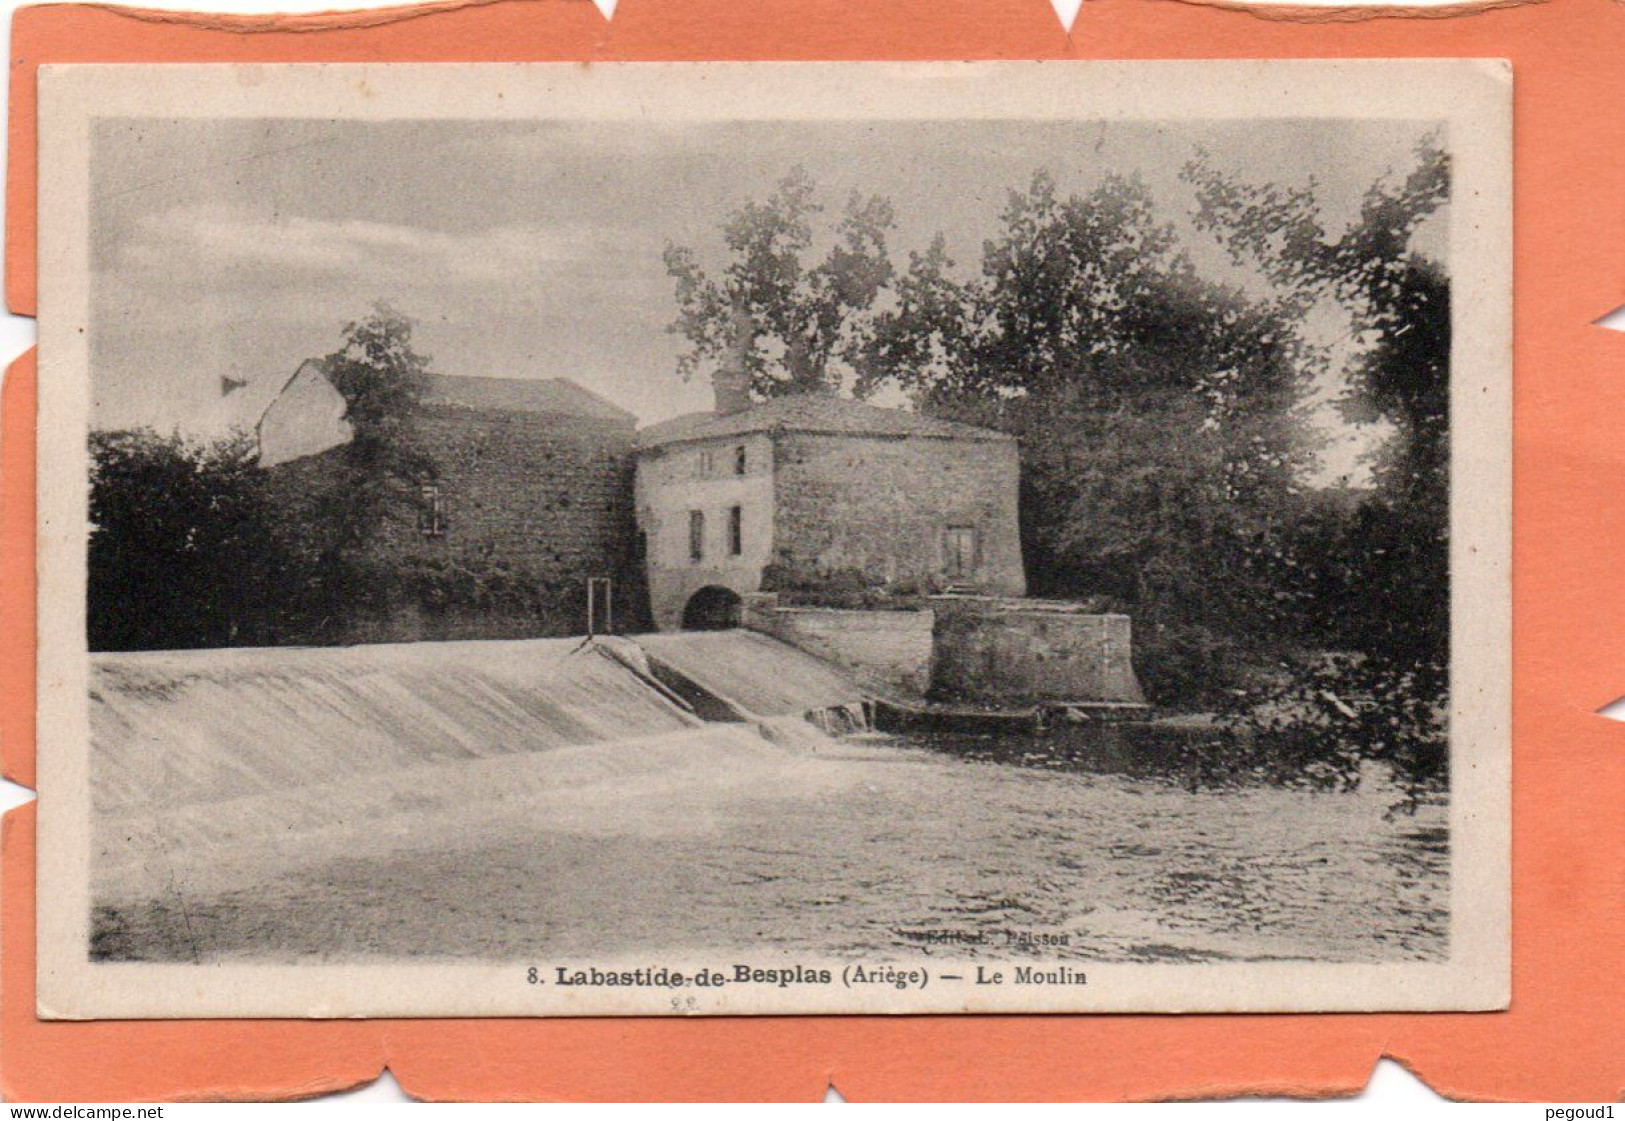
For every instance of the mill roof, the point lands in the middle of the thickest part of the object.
(814, 413)
(523, 395)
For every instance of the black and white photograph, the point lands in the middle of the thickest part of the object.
(757, 538)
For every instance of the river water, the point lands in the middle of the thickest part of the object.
(850, 848)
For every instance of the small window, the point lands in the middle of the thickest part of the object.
(432, 512)
(959, 551)
(706, 466)
(739, 460)
(696, 535)
(736, 530)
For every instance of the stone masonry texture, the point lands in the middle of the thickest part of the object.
(882, 505)
(546, 498)
(888, 648)
(1003, 652)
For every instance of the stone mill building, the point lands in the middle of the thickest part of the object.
(815, 490)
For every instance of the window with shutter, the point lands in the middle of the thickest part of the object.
(432, 512)
(696, 535)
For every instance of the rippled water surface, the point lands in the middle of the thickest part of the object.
(839, 849)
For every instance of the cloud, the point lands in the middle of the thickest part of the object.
(203, 239)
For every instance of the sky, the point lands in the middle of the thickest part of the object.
(238, 249)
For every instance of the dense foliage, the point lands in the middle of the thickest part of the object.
(1163, 436)
(1164, 418)
(1382, 574)
(194, 544)
(185, 550)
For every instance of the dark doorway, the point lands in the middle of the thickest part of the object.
(711, 608)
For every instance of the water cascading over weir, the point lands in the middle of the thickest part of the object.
(742, 676)
(208, 764)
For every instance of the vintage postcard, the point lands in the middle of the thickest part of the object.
(774, 538)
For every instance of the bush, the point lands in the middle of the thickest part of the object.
(183, 547)
(847, 588)
(1337, 713)
(1191, 668)
(474, 581)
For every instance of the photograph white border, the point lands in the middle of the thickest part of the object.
(1472, 98)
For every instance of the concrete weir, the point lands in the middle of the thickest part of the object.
(739, 675)
(188, 726)
(237, 760)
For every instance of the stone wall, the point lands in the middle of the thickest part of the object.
(882, 506)
(545, 499)
(1022, 651)
(892, 649)
(552, 494)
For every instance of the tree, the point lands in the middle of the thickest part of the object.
(1161, 419)
(1382, 575)
(183, 550)
(341, 505)
(382, 379)
(1399, 301)
(804, 319)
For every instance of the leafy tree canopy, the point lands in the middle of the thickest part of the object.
(1398, 299)
(1391, 574)
(805, 317)
(1164, 435)
(1381, 576)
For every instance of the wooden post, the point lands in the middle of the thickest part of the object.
(600, 603)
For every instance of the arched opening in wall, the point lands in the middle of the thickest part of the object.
(712, 608)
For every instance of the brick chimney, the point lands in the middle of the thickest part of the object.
(731, 383)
